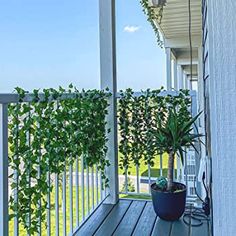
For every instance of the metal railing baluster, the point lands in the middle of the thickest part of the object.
(126, 180)
(82, 186)
(56, 205)
(28, 137)
(137, 180)
(149, 178)
(49, 202)
(39, 175)
(77, 190)
(64, 201)
(16, 180)
(97, 188)
(92, 180)
(71, 197)
(161, 165)
(88, 189)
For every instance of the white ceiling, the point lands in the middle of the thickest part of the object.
(175, 20)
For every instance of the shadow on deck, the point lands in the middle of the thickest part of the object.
(135, 217)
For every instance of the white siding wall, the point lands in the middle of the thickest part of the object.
(222, 100)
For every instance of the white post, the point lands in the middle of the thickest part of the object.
(189, 83)
(3, 170)
(185, 81)
(168, 69)
(180, 76)
(175, 75)
(108, 80)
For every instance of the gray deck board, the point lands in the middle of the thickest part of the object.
(180, 228)
(146, 222)
(162, 228)
(95, 220)
(202, 230)
(135, 218)
(130, 219)
(113, 219)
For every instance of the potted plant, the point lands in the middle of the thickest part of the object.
(174, 133)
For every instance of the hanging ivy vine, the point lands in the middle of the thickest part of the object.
(153, 14)
(45, 136)
(139, 119)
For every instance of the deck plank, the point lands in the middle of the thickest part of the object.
(162, 228)
(180, 228)
(136, 218)
(130, 219)
(95, 220)
(202, 230)
(114, 218)
(146, 222)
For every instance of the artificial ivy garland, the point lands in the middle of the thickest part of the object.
(45, 138)
(140, 118)
(152, 14)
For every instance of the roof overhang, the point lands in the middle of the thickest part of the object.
(175, 23)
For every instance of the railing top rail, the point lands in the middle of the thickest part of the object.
(192, 93)
(6, 98)
(29, 97)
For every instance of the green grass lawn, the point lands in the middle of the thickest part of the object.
(155, 170)
(22, 231)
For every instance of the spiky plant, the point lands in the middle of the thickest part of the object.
(174, 133)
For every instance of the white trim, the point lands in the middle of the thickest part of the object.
(108, 80)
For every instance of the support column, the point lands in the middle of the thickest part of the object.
(189, 83)
(175, 76)
(180, 76)
(185, 81)
(108, 80)
(168, 69)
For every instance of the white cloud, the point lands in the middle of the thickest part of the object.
(131, 28)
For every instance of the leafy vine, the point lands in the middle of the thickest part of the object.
(139, 119)
(46, 136)
(153, 13)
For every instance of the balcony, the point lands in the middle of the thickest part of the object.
(77, 201)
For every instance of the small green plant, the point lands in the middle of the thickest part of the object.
(174, 133)
(161, 183)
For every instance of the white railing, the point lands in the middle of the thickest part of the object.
(183, 173)
(77, 192)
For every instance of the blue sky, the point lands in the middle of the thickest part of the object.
(47, 43)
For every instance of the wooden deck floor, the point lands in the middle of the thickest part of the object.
(137, 218)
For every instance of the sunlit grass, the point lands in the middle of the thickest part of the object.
(22, 231)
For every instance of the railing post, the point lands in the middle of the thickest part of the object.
(3, 170)
(108, 80)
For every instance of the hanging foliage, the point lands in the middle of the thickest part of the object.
(46, 135)
(140, 116)
(153, 14)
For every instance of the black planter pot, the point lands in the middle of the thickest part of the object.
(169, 206)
